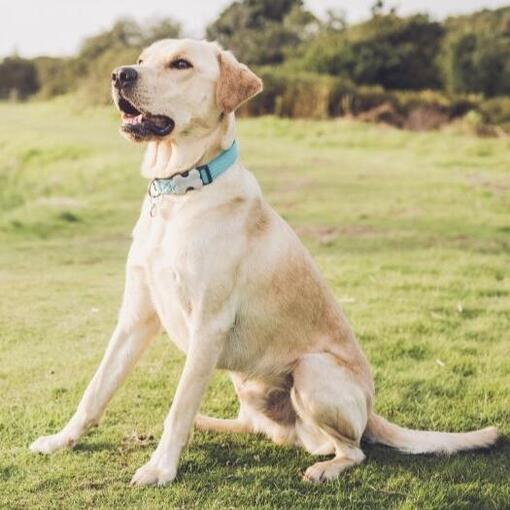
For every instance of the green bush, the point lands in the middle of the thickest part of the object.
(410, 72)
(299, 95)
(474, 54)
(387, 50)
(365, 98)
(18, 78)
(56, 76)
(496, 111)
(312, 95)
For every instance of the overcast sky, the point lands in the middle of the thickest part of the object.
(56, 27)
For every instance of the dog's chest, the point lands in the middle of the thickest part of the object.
(168, 258)
(200, 260)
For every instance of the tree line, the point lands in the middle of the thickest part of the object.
(461, 55)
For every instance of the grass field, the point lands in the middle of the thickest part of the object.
(412, 231)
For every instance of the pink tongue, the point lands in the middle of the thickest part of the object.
(131, 119)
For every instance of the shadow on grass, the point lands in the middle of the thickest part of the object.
(255, 460)
(244, 471)
(246, 459)
(88, 447)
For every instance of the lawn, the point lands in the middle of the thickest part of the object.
(412, 232)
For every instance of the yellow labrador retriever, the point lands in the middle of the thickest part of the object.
(231, 283)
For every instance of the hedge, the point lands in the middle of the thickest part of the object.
(292, 94)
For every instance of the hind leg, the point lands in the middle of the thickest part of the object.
(332, 409)
(235, 425)
(207, 423)
(264, 407)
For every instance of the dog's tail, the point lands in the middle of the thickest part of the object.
(382, 431)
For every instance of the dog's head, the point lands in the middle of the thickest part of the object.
(177, 84)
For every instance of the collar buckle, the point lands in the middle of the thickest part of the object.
(195, 178)
(187, 181)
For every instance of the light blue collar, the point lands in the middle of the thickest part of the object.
(197, 177)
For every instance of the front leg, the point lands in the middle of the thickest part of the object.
(137, 326)
(205, 347)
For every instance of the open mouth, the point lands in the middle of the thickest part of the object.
(142, 125)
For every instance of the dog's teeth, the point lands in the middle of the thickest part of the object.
(130, 119)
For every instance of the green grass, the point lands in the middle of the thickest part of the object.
(411, 231)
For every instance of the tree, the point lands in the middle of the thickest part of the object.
(387, 50)
(260, 31)
(166, 28)
(377, 8)
(126, 33)
(474, 54)
(18, 77)
(335, 21)
(55, 76)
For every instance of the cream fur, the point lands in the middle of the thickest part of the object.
(235, 289)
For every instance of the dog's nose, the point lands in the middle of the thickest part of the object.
(123, 76)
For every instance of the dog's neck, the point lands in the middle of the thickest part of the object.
(187, 150)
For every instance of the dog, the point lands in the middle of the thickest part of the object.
(215, 266)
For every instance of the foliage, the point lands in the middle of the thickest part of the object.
(126, 33)
(299, 95)
(411, 233)
(474, 54)
(316, 96)
(18, 77)
(394, 52)
(56, 76)
(496, 111)
(316, 68)
(261, 31)
(89, 70)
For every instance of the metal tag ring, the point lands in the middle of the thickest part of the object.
(150, 190)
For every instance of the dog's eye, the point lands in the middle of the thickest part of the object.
(180, 63)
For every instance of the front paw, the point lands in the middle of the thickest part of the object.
(50, 444)
(152, 474)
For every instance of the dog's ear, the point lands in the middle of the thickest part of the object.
(236, 83)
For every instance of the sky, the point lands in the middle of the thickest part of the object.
(56, 27)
